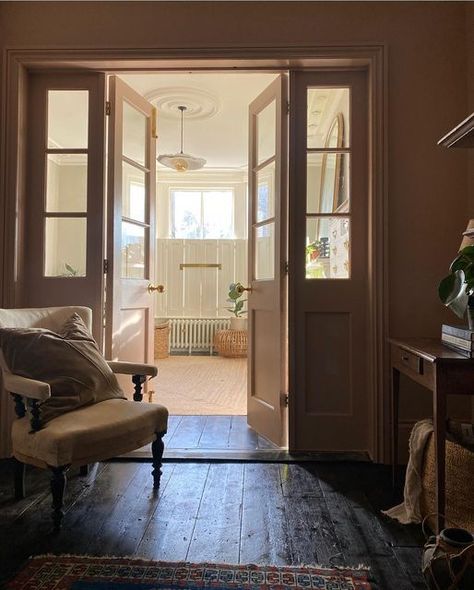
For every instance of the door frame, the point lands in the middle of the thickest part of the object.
(17, 64)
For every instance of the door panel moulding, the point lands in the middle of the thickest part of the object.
(19, 62)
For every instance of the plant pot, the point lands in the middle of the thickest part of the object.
(238, 323)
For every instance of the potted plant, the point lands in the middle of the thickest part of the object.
(237, 322)
(456, 290)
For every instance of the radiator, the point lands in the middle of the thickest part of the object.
(195, 334)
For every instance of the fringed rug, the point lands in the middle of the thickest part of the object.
(115, 573)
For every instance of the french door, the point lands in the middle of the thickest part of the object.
(131, 225)
(266, 391)
(329, 255)
(61, 222)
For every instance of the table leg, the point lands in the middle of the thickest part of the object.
(395, 398)
(439, 422)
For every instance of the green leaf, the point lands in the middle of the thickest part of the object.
(459, 263)
(452, 292)
(468, 252)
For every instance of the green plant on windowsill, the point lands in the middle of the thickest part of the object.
(456, 290)
(70, 271)
(236, 290)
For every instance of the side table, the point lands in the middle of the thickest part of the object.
(444, 372)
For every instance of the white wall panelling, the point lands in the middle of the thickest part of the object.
(198, 292)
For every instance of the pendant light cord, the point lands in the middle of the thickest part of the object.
(182, 109)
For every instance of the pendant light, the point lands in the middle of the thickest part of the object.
(181, 161)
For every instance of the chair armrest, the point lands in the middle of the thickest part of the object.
(38, 390)
(125, 368)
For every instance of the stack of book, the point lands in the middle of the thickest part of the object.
(459, 338)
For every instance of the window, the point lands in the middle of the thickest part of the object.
(202, 214)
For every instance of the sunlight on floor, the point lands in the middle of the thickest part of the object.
(202, 385)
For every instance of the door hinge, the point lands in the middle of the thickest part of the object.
(286, 267)
(287, 107)
(108, 108)
(284, 399)
(106, 266)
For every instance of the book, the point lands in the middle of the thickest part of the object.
(458, 331)
(466, 353)
(459, 342)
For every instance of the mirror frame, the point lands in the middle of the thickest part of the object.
(339, 121)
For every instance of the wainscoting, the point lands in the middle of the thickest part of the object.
(198, 291)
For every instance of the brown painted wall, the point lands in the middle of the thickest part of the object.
(428, 94)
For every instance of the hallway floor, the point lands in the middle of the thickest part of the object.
(202, 385)
(312, 513)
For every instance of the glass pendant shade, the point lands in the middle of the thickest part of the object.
(181, 161)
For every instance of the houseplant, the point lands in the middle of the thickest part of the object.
(237, 322)
(456, 290)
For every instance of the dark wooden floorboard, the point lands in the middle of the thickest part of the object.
(264, 536)
(242, 436)
(267, 513)
(216, 433)
(217, 530)
(169, 531)
(188, 433)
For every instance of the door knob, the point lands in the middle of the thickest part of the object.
(240, 289)
(159, 288)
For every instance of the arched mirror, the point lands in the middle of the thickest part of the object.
(332, 169)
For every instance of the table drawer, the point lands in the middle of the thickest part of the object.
(407, 359)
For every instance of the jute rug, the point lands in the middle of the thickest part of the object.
(114, 573)
(202, 385)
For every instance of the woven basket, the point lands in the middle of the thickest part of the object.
(162, 336)
(231, 343)
(459, 485)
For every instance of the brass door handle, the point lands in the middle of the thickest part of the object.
(159, 288)
(240, 289)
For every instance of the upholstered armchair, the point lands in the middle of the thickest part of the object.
(95, 431)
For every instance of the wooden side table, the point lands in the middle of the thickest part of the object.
(442, 371)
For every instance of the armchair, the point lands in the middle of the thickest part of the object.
(94, 432)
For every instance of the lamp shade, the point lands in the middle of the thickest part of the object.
(468, 235)
(181, 162)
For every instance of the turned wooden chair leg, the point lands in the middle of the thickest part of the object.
(84, 470)
(19, 471)
(157, 448)
(58, 485)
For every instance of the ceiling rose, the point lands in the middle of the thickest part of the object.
(200, 104)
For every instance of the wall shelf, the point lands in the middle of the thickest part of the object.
(462, 136)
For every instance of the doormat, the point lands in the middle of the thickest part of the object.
(70, 572)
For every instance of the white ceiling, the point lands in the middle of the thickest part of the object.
(217, 125)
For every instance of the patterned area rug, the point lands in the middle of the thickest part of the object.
(115, 573)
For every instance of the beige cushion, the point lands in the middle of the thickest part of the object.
(51, 318)
(70, 362)
(93, 433)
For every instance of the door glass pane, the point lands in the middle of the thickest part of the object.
(265, 251)
(68, 118)
(266, 133)
(134, 134)
(266, 192)
(327, 182)
(133, 251)
(133, 192)
(65, 247)
(328, 117)
(66, 183)
(327, 253)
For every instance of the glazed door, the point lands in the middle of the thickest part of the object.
(267, 260)
(61, 222)
(131, 225)
(329, 244)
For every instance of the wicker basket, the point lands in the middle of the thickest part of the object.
(231, 343)
(459, 485)
(162, 336)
